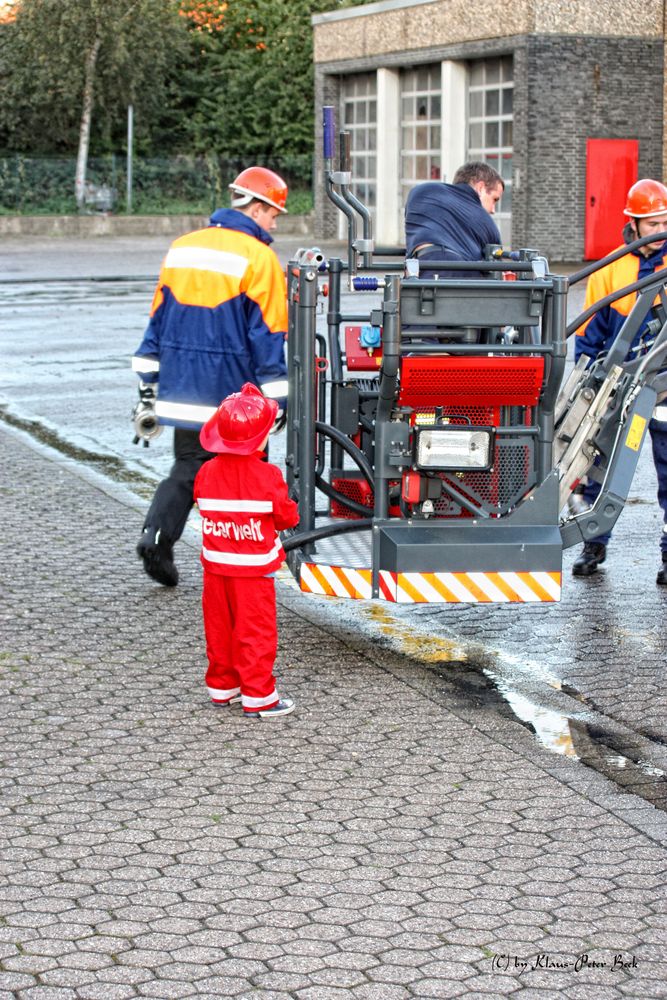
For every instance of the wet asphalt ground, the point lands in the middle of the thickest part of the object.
(461, 791)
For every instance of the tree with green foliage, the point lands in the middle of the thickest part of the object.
(69, 68)
(255, 77)
(220, 79)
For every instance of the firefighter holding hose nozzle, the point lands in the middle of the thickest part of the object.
(218, 320)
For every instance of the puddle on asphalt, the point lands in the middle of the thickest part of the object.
(108, 465)
(563, 734)
(551, 728)
(426, 648)
(66, 288)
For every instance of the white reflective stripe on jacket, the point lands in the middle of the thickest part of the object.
(204, 259)
(144, 365)
(243, 558)
(236, 506)
(187, 412)
(275, 390)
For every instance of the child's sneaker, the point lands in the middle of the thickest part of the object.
(230, 701)
(282, 707)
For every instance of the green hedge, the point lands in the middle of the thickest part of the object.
(160, 186)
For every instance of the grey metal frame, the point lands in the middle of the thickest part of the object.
(526, 538)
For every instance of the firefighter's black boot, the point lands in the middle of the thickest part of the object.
(661, 578)
(593, 553)
(158, 555)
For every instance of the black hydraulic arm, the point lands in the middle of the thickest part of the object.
(650, 281)
(596, 265)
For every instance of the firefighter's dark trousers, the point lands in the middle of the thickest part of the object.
(173, 498)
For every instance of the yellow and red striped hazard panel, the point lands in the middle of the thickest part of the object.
(336, 581)
(433, 588)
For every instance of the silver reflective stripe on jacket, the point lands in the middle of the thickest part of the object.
(243, 558)
(275, 390)
(189, 413)
(205, 259)
(143, 365)
(236, 506)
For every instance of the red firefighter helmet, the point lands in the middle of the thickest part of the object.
(240, 424)
(645, 199)
(259, 182)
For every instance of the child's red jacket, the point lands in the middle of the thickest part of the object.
(243, 503)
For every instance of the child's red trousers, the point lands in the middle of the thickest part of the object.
(241, 638)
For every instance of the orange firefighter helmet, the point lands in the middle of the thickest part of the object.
(645, 199)
(261, 183)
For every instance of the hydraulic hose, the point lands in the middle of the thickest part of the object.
(657, 278)
(326, 531)
(611, 257)
(350, 447)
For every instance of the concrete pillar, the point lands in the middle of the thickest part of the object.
(388, 228)
(454, 88)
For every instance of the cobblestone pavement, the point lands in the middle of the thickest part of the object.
(378, 844)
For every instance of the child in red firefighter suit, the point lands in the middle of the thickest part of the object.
(243, 503)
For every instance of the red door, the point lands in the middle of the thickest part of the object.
(611, 168)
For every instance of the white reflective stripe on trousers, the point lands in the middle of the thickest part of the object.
(249, 702)
(220, 694)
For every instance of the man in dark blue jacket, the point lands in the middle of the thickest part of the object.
(452, 221)
(218, 320)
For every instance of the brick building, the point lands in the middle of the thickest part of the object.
(564, 97)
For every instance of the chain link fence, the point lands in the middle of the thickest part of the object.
(160, 185)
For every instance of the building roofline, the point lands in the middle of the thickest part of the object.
(369, 8)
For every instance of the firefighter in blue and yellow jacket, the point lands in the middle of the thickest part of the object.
(218, 320)
(646, 208)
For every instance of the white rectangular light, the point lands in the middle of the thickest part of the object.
(454, 448)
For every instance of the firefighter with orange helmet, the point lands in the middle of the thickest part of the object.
(646, 209)
(262, 184)
(243, 503)
(218, 320)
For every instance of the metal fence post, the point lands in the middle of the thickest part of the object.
(130, 137)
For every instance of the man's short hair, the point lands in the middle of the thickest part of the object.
(471, 173)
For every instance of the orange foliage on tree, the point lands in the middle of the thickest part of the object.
(7, 12)
(209, 16)
(204, 15)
